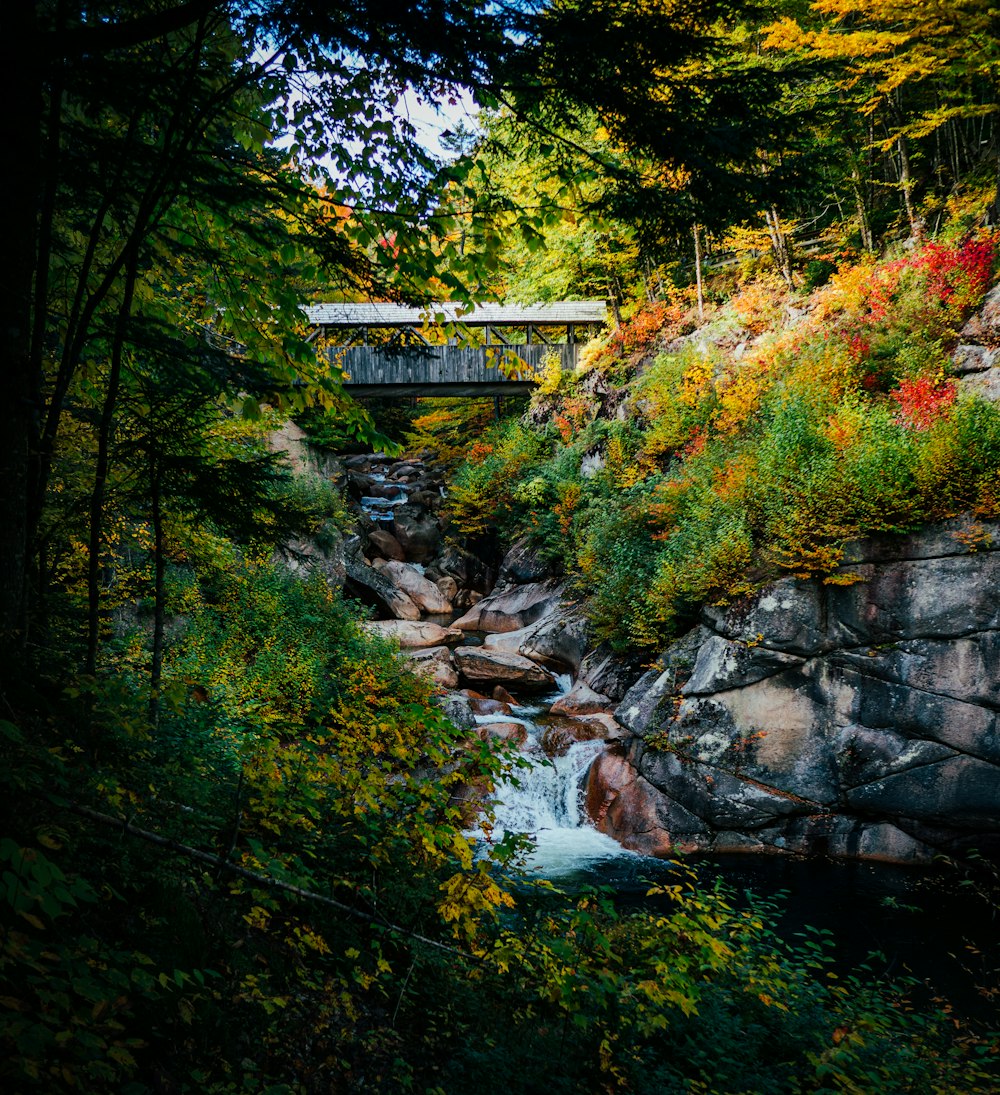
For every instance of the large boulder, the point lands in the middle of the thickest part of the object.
(522, 565)
(372, 587)
(859, 719)
(476, 663)
(385, 544)
(434, 662)
(512, 609)
(409, 633)
(418, 533)
(423, 592)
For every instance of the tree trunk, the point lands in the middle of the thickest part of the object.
(906, 185)
(697, 272)
(779, 246)
(159, 598)
(104, 463)
(864, 224)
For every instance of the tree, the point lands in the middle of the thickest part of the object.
(128, 114)
(921, 66)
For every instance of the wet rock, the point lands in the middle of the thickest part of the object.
(622, 804)
(501, 693)
(581, 700)
(358, 462)
(484, 706)
(479, 664)
(560, 734)
(409, 634)
(514, 733)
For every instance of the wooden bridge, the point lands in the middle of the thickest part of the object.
(444, 349)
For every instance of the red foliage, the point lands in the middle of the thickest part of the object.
(696, 443)
(564, 426)
(639, 334)
(923, 401)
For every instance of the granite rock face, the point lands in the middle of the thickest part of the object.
(859, 720)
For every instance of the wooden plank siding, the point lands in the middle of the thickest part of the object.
(444, 370)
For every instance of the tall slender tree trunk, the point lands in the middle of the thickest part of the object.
(780, 246)
(864, 223)
(697, 272)
(103, 463)
(906, 185)
(159, 596)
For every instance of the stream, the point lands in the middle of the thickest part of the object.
(899, 920)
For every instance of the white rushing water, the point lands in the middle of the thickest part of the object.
(545, 801)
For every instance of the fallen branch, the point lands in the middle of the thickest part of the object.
(260, 879)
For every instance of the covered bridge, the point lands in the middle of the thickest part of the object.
(447, 349)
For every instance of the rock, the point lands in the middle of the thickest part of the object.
(559, 638)
(418, 534)
(484, 706)
(447, 585)
(435, 662)
(372, 587)
(983, 328)
(514, 733)
(456, 708)
(581, 700)
(562, 733)
(427, 499)
(973, 359)
(859, 720)
(467, 598)
(501, 693)
(424, 594)
(479, 664)
(522, 564)
(402, 471)
(387, 545)
(985, 385)
(409, 634)
(319, 555)
(359, 484)
(622, 804)
(512, 609)
(358, 462)
(609, 673)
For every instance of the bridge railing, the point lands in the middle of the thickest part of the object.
(443, 367)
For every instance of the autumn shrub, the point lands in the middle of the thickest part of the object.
(483, 494)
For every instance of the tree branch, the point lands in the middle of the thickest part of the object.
(262, 880)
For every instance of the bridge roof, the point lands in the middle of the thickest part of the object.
(401, 315)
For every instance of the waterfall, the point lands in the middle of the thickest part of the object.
(544, 801)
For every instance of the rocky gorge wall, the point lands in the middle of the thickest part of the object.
(856, 720)
(855, 716)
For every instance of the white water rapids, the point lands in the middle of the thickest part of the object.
(545, 799)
